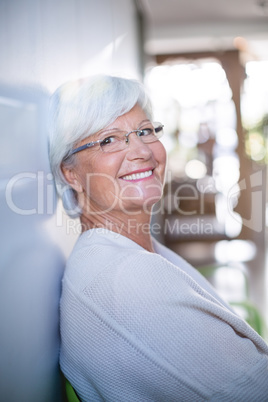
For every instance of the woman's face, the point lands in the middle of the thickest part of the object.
(129, 180)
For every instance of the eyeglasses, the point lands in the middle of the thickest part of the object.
(120, 140)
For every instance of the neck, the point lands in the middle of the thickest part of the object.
(135, 227)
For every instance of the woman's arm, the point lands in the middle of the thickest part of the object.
(144, 330)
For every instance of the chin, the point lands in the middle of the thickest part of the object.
(151, 200)
(140, 198)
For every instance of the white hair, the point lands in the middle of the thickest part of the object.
(81, 108)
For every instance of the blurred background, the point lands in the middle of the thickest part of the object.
(205, 65)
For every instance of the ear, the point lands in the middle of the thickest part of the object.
(72, 178)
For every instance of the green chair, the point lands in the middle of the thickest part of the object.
(70, 392)
(252, 316)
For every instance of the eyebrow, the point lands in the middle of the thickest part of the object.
(115, 129)
(145, 121)
(105, 131)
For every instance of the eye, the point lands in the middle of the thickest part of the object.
(158, 129)
(108, 141)
(146, 131)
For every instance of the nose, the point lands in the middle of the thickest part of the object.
(137, 149)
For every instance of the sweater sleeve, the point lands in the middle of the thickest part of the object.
(142, 329)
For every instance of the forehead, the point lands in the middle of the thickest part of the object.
(129, 120)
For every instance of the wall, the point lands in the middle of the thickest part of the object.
(42, 44)
(47, 42)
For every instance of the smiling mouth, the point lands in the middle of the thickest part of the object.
(137, 176)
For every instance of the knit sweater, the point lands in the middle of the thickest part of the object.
(141, 326)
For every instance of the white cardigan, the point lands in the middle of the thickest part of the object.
(141, 326)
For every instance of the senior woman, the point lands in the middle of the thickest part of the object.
(137, 322)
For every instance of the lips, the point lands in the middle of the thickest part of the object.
(138, 175)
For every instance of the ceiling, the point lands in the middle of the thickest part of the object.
(178, 26)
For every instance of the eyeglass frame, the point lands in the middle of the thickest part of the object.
(93, 143)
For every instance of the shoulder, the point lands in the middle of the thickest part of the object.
(96, 250)
(101, 255)
(114, 265)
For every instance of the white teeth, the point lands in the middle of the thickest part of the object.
(136, 176)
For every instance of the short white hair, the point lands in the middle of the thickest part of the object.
(81, 108)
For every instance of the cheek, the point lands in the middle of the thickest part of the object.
(100, 186)
(95, 173)
(160, 156)
(99, 180)
(164, 155)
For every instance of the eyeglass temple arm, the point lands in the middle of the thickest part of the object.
(88, 145)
